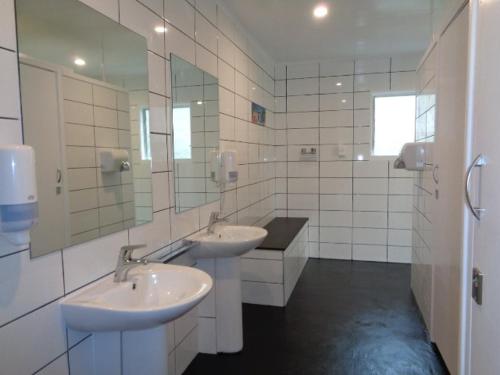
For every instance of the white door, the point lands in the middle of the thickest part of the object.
(447, 213)
(41, 130)
(485, 324)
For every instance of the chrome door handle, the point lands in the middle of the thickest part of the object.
(479, 161)
(435, 175)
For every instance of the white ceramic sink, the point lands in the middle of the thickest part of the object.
(153, 294)
(227, 241)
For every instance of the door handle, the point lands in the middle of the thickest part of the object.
(478, 162)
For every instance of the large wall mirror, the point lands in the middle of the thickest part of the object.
(84, 93)
(195, 119)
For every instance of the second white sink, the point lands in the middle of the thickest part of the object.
(227, 241)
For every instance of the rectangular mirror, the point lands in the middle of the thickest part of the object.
(195, 119)
(84, 94)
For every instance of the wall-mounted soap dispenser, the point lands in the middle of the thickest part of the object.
(224, 167)
(229, 167)
(18, 193)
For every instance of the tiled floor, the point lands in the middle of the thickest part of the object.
(345, 318)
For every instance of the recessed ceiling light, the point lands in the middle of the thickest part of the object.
(161, 29)
(339, 84)
(199, 102)
(344, 101)
(80, 62)
(320, 11)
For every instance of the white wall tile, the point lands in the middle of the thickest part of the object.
(20, 288)
(337, 136)
(342, 118)
(302, 120)
(335, 235)
(89, 261)
(9, 88)
(106, 7)
(302, 103)
(303, 201)
(58, 367)
(398, 254)
(179, 44)
(332, 85)
(371, 169)
(206, 34)
(302, 86)
(33, 341)
(180, 14)
(335, 102)
(403, 82)
(370, 203)
(370, 186)
(336, 169)
(335, 185)
(303, 136)
(303, 169)
(335, 251)
(369, 236)
(370, 219)
(157, 78)
(143, 21)
(7, 25)
(372, 82)
(302, 70)
(11, 131)
(370, 253)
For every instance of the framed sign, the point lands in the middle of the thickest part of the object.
(258, 114)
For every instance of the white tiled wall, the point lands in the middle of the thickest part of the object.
(359, 206)
(33, 337)
(112, 124)
(421, 275)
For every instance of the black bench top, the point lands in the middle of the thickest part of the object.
(282, 231)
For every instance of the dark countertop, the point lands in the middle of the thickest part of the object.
(282, 231)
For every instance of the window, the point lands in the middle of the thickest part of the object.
(394, 124)
(182, 132)
(145, 138)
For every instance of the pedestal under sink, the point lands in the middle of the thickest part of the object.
(225, 245)
(139, 307)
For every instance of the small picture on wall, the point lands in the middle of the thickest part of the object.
(258, 114)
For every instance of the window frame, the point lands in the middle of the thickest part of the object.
(387, 95)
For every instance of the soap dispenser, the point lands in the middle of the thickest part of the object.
(18, 193)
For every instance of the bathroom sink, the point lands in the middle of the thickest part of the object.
(227, 241)
(153, 294)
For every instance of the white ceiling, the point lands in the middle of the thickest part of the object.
(288, 32)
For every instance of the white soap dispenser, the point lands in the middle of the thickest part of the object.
(18, 193)
(229, 170)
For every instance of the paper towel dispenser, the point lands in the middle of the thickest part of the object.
(414, 156)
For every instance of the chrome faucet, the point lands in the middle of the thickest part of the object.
(213, 221)
(126, 262)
